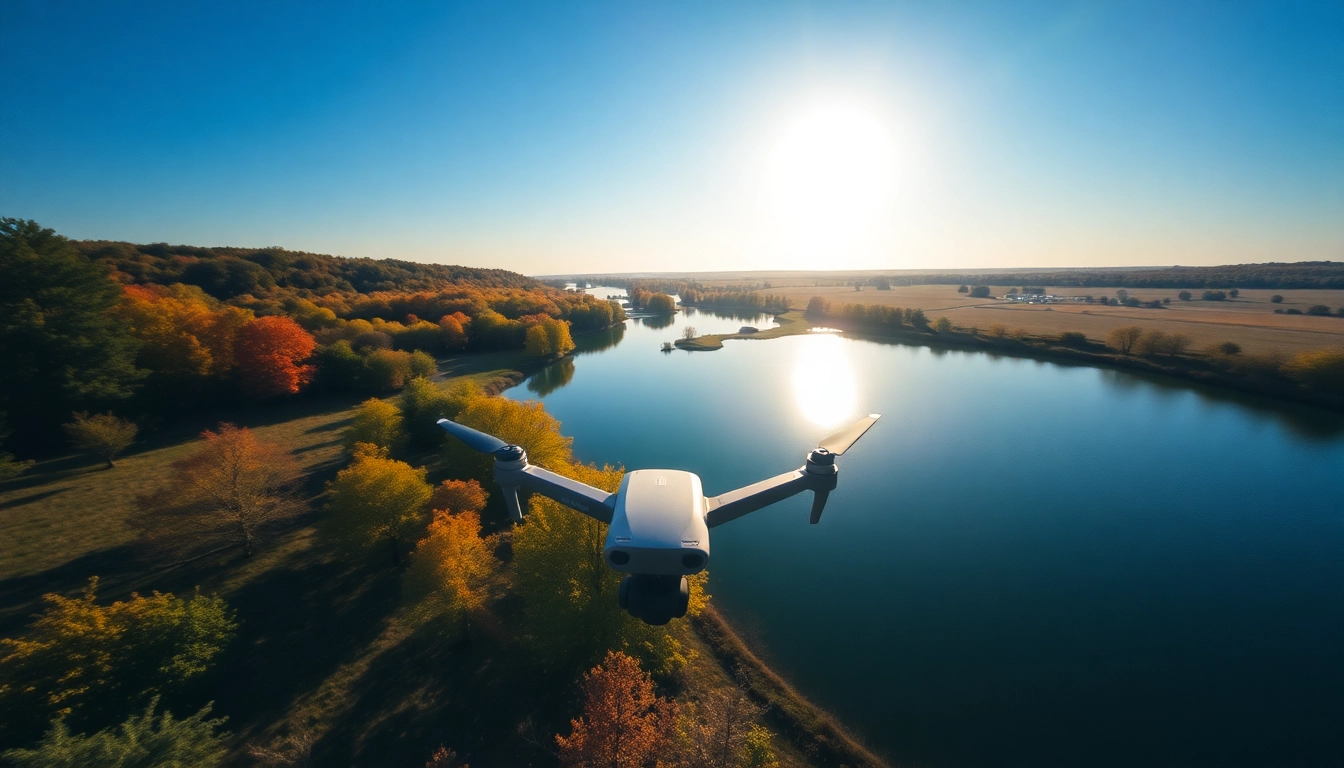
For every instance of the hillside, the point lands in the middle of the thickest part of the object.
(229, 272)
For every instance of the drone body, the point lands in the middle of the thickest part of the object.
(659, 519)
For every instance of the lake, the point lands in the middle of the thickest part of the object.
(1025, 563)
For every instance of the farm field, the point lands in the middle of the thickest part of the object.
(1248, 320)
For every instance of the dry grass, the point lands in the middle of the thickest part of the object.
(1249, 320)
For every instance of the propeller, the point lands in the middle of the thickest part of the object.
(473, 438)
(841, 441)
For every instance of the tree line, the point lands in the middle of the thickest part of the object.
(121, 327)
(1290, 275)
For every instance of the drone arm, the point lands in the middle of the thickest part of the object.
(593, 502)
(734, 504)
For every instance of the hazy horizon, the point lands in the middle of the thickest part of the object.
(717, 137)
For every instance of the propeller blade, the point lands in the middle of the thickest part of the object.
(478, 440)
(842, 440)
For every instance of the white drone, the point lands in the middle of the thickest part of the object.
(659, 519)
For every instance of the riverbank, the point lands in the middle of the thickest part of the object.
(1198, 369)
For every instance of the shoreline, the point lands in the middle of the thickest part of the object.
(810, 729)
(1186, 370)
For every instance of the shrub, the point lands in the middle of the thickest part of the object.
(1276, 298)
(1184, 296)
(1234, 293)
(1320, 310)
(1214, 296)
(87, 661)
(1229, 348)
(963, 289)
(103, 435)
(942, 325)
(143, 741)
(1161, 343)
(1073, 339)
(980, 292)
(1292, 311)
(1322, 369)
(996, 331)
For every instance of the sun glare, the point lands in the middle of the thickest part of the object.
(828, 183)
(823, 381)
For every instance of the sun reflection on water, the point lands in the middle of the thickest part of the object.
(824, 386)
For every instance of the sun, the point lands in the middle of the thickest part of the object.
(828, 180)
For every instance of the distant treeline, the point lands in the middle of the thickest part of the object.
(228, 272)
(876, 317)
(154, 332)
(696, 294)
(1305, 274)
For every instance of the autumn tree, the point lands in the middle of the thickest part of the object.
(1321, 369)
(232, 492)
(624, 723)
(757, 751)
(103, 435)
(458, 496)
(1155, 342)
(270, 353)
(660, 304)
(520, 423)
(376, 422)
(715, 728)
(444, 757)
(146, 740)
(424, 402)
(1124, 338)
(453, 330)
(85, 661)
(571, 608)
(452, 567)
(377, 501)
(61, 349)
(942, 325)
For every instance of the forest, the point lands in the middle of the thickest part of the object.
(155, 331)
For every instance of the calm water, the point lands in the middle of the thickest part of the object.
(1025, 563)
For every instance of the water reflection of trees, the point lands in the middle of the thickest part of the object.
(1303, 421)
(552, 377)
(659, 321)
(728, 314)
(599, 341)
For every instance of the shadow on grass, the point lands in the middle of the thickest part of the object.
(30, 498)
(120, 570)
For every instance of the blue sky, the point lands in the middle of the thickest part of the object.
(557, 137)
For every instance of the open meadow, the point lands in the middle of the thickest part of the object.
(1248, 320)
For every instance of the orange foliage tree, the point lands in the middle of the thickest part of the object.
(270, 352)
(458, 496)
(624, 724)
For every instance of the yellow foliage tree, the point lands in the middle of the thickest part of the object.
(572, 610)
(519, 423)
(376, 500)
(89, 661)
(452, 567)
(378, 423)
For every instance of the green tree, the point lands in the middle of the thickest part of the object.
(86, 661)
(377, 500)
(424, 402)
(376, 422)
(103, 435)
(145, 740)
(60, 348)
(980, 292)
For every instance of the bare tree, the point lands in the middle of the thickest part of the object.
(103, 435)
(231, 492)
(1124, 338)
(689, 332)
(717, 728)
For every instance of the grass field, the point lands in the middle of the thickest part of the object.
(324, 647)
(1248, 320)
